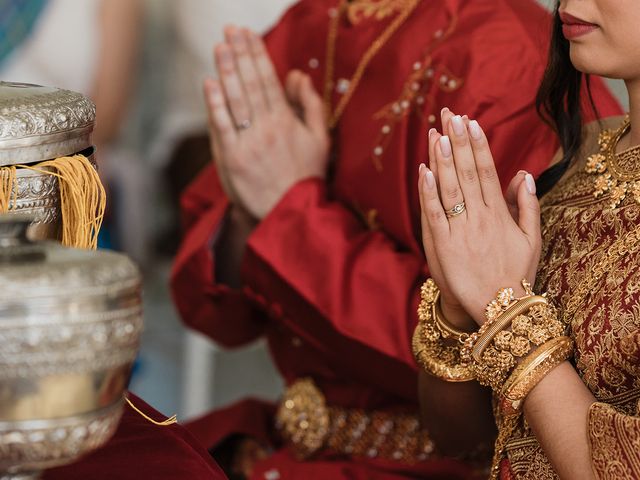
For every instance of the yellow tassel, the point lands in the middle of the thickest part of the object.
(165, 423)
(7, 182)
(82, 197)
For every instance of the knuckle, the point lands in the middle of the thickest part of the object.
(435, 215)
(468, 175)
(487, 173)
(460, 140)
(451, 192)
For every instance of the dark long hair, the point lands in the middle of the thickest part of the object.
(559, 103)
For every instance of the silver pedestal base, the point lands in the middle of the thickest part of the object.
(20, 476)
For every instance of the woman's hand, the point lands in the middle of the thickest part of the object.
(481, 249)
(451, 307)
(260, 145)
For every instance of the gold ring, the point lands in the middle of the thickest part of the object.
(456, 210)
(243, 125)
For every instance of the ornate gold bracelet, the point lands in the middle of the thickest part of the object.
(493, 351)
(440, 360)
(532, 370)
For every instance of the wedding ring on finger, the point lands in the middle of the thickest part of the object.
(243, 125)
(456, 210)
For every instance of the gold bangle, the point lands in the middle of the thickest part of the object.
(533, 369)
(446, 329)
(439, 360)
(502, 322)
(432, 354)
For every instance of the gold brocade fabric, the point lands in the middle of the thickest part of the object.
(590, 268)
(615, 442)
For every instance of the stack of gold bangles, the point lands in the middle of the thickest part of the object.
(521, 342)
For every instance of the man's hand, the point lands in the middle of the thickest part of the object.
(260, 145)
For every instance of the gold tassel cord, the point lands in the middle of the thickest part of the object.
(7, 182)
(165, 423)
(82, 197)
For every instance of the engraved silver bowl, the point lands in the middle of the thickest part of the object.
(36, 124)
(70, 323)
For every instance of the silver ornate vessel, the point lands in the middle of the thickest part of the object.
(37, 124)
(70, 323)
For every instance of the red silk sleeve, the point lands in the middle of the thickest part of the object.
(224, 314)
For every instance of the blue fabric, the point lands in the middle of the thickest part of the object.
(17, 19)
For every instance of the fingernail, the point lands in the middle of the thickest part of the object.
(431, 132)
(475, 130)
(530, 183)
(429, 179)
(421, 168)
(445, 146)
(442, 112)
(521, 172)
(458, 125)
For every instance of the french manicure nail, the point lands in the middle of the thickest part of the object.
(458, 125)
(442, 112)
(445, 146)
(429, 179)
(475, 130)
(521, 172)
(431, 132)
(530, 183)
(421, 168)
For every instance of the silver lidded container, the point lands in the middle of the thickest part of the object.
(37, 124)
(70, 323)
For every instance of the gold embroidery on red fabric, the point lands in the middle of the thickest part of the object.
(615, 443)
(590, 268)
(359, 10)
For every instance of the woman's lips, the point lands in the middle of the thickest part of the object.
(574, 27)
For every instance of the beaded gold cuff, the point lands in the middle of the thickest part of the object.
(440, 360)
(532, 370)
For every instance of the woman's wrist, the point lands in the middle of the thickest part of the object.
(458, 317)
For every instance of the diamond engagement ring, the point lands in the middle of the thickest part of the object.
(457, 209)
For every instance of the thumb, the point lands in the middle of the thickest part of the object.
(511, 194)
(528, 207)
(301, 92)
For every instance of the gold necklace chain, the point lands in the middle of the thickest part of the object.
(618, 173)
(335, 114)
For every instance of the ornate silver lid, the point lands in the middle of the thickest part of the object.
(39, 123)
(46, 270)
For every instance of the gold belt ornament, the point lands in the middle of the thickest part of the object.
(309, 425)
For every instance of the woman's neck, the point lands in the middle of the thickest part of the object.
(633, 89)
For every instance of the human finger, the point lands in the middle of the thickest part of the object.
(465, 164)
(450, 192)
(232, 85)
(267, 72)
(433, 215)
(220, 122)
(485, 166)
(246, 68)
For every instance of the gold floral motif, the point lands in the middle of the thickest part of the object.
(359, 10)
(618, 174)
